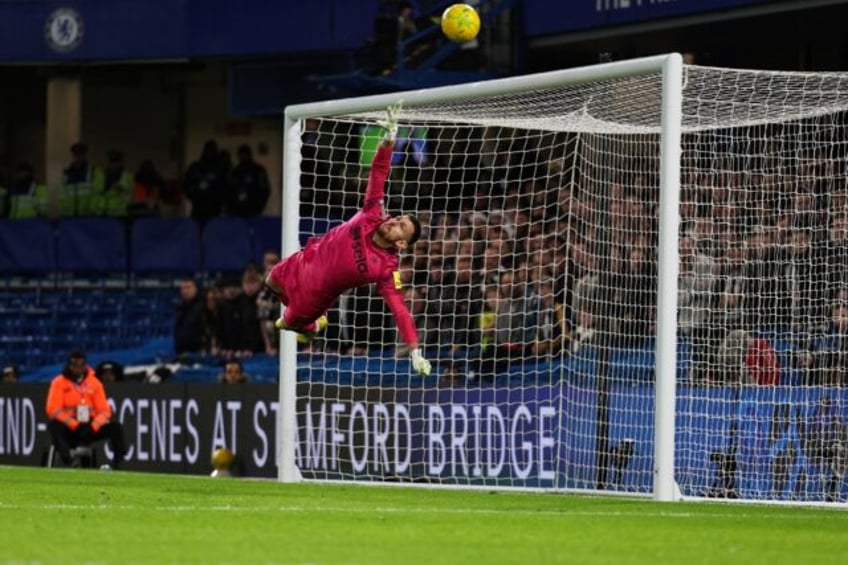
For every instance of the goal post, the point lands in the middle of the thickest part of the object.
(574, 286)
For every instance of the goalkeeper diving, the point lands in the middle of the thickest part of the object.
(362, 250)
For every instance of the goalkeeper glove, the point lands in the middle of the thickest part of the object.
(421, 365)
(390, 124)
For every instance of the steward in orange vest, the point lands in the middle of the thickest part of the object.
(78, 412)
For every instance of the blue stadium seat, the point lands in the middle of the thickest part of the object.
(27, 247)
(164, 246)
(266, 235)
(91, 245)
(226, 245)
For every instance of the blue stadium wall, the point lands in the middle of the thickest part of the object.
(188, 29)
(169, 29)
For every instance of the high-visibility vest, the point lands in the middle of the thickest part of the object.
(30, 205)
(114, 201)
(65, 396)
(78, 199)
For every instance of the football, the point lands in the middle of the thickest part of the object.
(460, 23)
(222, 459)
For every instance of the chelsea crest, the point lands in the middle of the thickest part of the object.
(63, 30)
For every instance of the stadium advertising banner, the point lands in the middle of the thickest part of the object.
(466, 436)
(749, 440)
(168, 428)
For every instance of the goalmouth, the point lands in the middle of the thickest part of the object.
(582, 229)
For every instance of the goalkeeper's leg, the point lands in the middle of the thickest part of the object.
(304, 315)
(305, 332)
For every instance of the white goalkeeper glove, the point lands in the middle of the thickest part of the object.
(390, 124)
(421, 365)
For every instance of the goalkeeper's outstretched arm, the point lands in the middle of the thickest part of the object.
(406, 326)
(382, 162)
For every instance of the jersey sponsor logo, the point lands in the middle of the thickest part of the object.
(398, 282)
(358, 250)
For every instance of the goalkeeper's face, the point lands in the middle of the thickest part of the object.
(397, 231)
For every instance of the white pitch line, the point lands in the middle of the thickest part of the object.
(416, 510)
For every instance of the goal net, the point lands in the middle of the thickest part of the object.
(632, 278)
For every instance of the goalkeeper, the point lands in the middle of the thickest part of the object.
(362, 250)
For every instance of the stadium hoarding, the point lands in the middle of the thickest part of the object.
(728, 438)
(168, 428)
(543, 17)
(93, 30)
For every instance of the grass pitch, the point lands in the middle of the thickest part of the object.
(85, 516)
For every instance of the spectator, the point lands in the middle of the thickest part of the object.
(249, 188)
(211, 340)
(24, 180)
(188, 322)
(488, 316)
(454, 302)
(79, 413)
(552, 331)
(517, 321)
(118, 186)
(149, 191)
(26, 198)
(268, 308)
(640, 286)
(109, 372)
(747, 360)
(833, 253)
(206, 184)
(233, 373)
(240, 331)
(727, 315)
(695, 297)
(80, 183)
(830, 350)
(10, 373)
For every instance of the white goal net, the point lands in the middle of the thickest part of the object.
(567, 217)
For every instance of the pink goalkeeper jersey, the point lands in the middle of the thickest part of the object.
(346, 257)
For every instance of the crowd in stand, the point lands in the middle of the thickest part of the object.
(529, 258)
(231, 319)
(212, 185)
(524, 260)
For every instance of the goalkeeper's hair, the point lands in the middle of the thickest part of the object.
(416, 233)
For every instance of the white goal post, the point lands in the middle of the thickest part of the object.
(629, 281)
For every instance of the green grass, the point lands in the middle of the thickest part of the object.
(84, 516)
